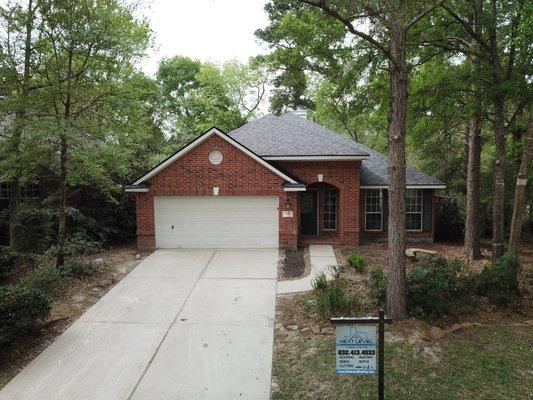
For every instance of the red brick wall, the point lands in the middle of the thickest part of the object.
(193, 175)
(344, 175)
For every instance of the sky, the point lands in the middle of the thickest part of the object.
(210, 30)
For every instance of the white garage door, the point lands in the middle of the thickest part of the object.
(216, 222)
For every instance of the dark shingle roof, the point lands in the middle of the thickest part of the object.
(292, 135)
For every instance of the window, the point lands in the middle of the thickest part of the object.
(373, 210)
(329, 212)
(4, 191)
(29, 192)
(413, 209)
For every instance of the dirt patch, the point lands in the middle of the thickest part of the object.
(68, 304)
(294, 263)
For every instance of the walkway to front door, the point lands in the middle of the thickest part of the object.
(185, 324)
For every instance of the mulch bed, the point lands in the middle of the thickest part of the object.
(293, 264)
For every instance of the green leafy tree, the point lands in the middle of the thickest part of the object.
(87, 47)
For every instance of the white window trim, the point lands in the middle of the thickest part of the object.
(374, 212)
(336, 209)
(417, 212)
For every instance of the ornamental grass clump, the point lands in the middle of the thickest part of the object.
(357, 261)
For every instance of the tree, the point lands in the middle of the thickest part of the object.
(506, 60)
(87, 47)
(199, 95)
(520, 189)
(18, 63)
(388, 34)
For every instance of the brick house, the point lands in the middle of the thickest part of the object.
(277, 181)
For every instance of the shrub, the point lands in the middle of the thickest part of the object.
(499, 280)
(20, 308)
(378, 285)
(433, 284)
(320, 281)
(77, 244)
(77, 269)
(8, 256)
(335, 301)
(42, 233)
(357, 261)
(45, 279)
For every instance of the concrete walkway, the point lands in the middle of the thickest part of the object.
(322, 258)
(184, 324)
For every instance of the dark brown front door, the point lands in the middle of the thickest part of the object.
(308, 213)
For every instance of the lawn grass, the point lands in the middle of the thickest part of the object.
(488, 362)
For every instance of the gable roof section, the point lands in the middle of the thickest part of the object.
(213, 131)
(290, 136)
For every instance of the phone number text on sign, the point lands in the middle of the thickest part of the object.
(356, 349)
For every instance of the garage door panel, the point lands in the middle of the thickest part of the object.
(216, 222)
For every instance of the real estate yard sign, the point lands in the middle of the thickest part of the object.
(356, 349)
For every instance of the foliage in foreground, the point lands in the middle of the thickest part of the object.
(435, 286)
(499, 280)
(357, 261)
(8, 256)
(335, 299)
(20, 309)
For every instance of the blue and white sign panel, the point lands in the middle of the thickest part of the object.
(356, 349)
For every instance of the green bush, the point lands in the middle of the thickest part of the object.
(335, 301)
(8, 256)
(357, 261)
(378, 285)
(320, 281)
(499, 280)
(35, 227)
(20, 309)
(77, 269)
(433, 285)
(45, 279)
(77, 244)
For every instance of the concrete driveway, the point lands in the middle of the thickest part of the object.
(184, 324)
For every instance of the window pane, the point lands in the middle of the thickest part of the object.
(329, 209)
(373, 209)
(413, 221)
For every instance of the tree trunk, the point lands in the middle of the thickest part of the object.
(471, 245)
(14, 190)
(396, 302)
(498, 246)
(520, 189)
(62, 201)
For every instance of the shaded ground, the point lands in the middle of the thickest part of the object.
(484, 352)
(69, 303)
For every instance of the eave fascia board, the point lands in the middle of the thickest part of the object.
(407, 187)
(199, 140)
(136, 190)
(292, 189)
(315, 158)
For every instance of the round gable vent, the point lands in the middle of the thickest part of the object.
(215, 157)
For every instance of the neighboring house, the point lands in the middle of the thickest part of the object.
(276, 181)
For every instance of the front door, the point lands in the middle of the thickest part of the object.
(308, 213)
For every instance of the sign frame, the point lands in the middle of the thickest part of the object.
(380, 321)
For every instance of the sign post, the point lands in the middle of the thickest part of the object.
(356, 347)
